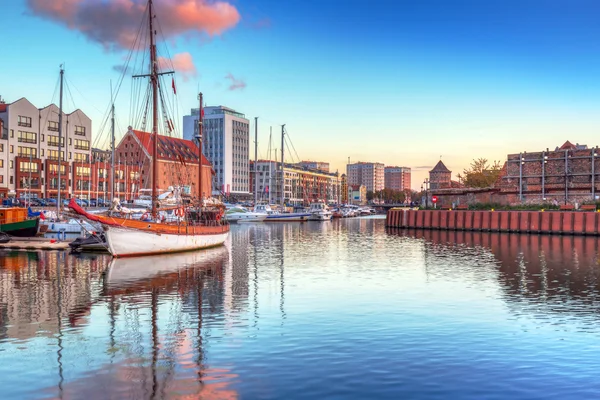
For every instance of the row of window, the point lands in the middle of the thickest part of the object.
(52, 125)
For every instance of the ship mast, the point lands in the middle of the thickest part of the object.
(154, 82)
(199, 137)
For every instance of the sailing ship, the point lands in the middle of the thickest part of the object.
(200, 224)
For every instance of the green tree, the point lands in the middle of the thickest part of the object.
(370, 195)
(481, 174)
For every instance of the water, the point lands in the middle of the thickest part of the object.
(343, 309)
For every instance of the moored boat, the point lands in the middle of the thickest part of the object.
(276, 216)
(15, 222)
(238, 214)
(319, 212)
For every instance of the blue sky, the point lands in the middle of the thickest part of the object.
(399, 82)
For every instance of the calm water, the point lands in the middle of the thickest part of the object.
(345, 309)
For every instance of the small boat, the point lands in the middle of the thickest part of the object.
(276, 216)
(319, 212)
(16, 222)
(239, 214)
(4, 237)
(71, 226)
(92, 242)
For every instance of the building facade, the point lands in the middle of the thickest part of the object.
(302, 186)
(31, 147)
(357, 194)
(344, 189)
(366, 173)
(314, 165)
(440, 177)
(226, 144)
(397, 178)
(177, 164)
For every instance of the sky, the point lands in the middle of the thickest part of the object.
(399, 82)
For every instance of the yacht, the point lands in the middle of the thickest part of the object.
(240, 214)
(276, 216)
(319, 212)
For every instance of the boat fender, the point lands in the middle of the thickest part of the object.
(145, 216)
(179, 212)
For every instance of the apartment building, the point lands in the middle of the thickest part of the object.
(397, 178)
(369, 174)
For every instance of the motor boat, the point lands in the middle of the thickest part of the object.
(276, 216)
(240, 214)
(319, 212)
(92, 242)
(4, 237)
(71, 226)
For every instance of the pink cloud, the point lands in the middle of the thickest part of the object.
(182, 63)
(114, 23)
(235, 84)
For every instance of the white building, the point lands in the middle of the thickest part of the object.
(30, 143)
(366, 173)
(302, 186)
(226, 142)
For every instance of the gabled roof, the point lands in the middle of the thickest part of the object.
(567, 146)
(440, 167)
(170, 148)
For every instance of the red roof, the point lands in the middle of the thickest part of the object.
(170, 148)
(3, 107)
(567, 146)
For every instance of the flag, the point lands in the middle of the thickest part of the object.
(202, 113)
(173, 85)
(42, 216)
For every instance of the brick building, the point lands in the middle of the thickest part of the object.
(397, 178)
(366, 173)
(440, 177)
(177, 162)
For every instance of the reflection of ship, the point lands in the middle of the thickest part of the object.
(145, 272)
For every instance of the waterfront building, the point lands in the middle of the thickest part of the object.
(440, 177)
(314, 165)
(397, 179)
(177, 164)
(357, 194)
(226, 141)
(344, 189)
(370, 174)
(302, 186)
(29, 150)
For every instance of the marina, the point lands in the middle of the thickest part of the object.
(267, 316)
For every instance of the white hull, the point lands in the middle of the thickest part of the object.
(320, 217)
(123, 242)
(246, 217)
(287, 217)
(69, 227)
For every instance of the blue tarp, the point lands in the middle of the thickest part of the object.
(30, 213)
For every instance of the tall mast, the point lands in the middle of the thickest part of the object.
(199, 137)
(255, 160)
(112, 139)
(282, 167)
(62, 72)
(154, 81)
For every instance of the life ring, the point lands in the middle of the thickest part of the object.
(145, 216)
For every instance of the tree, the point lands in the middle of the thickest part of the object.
(481, 174)
(370, 195)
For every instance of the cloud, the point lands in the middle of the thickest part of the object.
(121, 69)
(235, 84)
(115, 23)
(181, 63)
(423, 167)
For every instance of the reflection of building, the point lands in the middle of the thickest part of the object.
(301, 186)
(366, 173)
(357, 194)
(226, 140)
(344, 189)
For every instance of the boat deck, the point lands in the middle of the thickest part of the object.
(34, 243)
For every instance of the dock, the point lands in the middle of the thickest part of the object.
(35, 243)
(532, 222)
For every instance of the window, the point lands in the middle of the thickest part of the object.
(80, 157)
(26, 166)
(83, 171)
(1, 146)
(27, 137)
(12, 164)
(53, 155)
(25, 183)
(41, 137)
(80, 130)
(24, 121)
(54, 169)
(27, 152)
(82, 144)
(1, 178)
(11, 179)
(1, 163)
(53, 141)
(42, 155)
(11, 149)
(53, 126)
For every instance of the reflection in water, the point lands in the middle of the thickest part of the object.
(313, 310)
